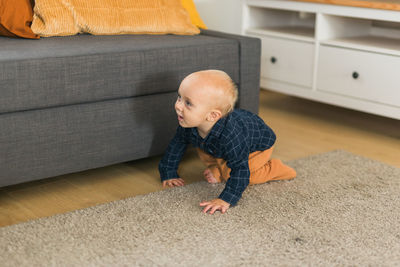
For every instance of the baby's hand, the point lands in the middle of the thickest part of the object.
(173, 182)
(214, 205)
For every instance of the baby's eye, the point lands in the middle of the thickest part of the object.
(188, 103)
(179, 96)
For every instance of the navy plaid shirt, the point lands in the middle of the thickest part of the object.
(232, 138)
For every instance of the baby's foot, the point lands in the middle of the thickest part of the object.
(208, 175)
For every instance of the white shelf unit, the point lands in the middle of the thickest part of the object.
(346, 56)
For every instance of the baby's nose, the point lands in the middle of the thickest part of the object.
(178, 105)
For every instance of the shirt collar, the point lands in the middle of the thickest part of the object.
(219, 126)
(216, 130)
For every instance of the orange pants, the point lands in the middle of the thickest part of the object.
(262, 168)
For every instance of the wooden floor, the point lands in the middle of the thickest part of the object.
(303, 128)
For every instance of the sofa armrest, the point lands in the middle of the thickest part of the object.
(249, 73)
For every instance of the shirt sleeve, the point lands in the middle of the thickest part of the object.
(168, 165)
(237, 157)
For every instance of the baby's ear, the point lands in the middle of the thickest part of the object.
(215, 115)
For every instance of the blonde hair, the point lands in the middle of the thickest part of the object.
(233, 96)
(222, 85)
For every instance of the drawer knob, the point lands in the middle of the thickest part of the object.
(355, 75)
(273, 60)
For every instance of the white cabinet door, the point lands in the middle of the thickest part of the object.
(364, 75)
(287, 61)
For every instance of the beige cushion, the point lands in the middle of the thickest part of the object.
(190, 7)
(106, 17)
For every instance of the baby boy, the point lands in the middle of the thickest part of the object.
(235, 145)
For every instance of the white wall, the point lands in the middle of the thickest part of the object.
(221, 15)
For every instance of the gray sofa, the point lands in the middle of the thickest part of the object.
(69, 104)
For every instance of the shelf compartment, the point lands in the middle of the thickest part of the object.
(362, 34)
(295, 25)
(291, 32)
(371, 43)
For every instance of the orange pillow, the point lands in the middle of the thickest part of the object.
(194, 15)
(16, 18)
(106, 17)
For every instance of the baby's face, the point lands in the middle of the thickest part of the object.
(193, 104)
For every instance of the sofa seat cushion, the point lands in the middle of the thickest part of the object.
(70, 70)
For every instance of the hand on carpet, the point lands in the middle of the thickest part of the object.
(214, 205)
(173, 182)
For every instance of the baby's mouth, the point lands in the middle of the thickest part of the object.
(180, 118)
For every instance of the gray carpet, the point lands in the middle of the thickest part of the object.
(341, 210)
